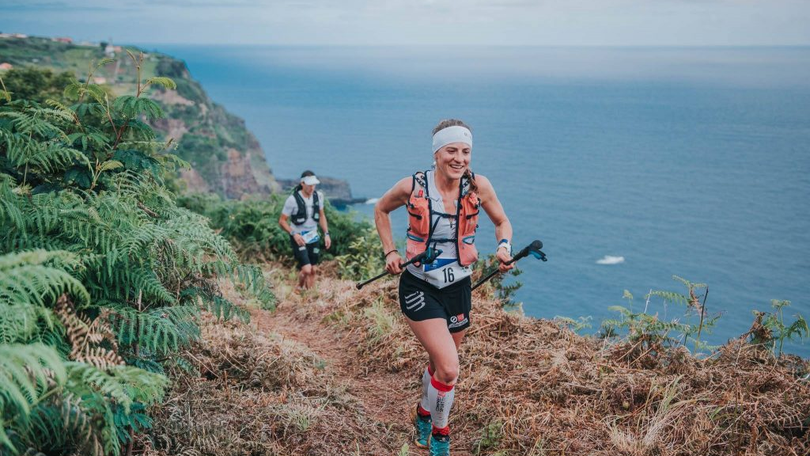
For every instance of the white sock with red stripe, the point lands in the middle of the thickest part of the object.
(424, 403)
(440, 398)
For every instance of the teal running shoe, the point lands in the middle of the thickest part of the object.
(439, 445)
(423, 425)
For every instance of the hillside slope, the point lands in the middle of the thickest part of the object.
(336, 372)
(226, 158)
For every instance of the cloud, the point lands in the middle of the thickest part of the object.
(24, 6)
(207, 3)
(426, 22)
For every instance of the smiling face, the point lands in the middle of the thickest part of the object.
(453, 159)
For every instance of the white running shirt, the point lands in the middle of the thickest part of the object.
(309, 229)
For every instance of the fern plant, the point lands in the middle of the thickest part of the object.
(649, 334)
(365, 257)
(771, 330)
(102, 275)
(48, 401)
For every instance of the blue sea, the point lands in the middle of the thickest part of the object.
(682, 161)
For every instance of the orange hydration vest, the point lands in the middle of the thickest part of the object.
(420, 214)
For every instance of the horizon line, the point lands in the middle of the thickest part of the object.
(450, 45)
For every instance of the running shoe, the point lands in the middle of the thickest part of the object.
(439, 445)
(423, 425)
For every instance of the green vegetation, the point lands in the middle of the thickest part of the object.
(491, 436)
(102, 275)
(770, 329)
(649, 337)
(37, 85)
(252, 227)
(204, 131)
(651, 334)
(503, 291)
(106, 279)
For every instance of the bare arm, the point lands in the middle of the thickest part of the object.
(285, 225)
(492, 206)
(325, 228)
(394, 198)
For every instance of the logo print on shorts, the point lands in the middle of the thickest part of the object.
(417, 298)
(457, 321)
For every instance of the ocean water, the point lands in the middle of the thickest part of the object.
(682, 161)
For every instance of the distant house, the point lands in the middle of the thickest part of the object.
(19, 35)
(6, 66)
(111, 50)
(64, 39)
(99, 80)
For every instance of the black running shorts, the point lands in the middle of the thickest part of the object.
(420, 300)
(305, 255)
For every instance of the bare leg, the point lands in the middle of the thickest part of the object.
(303, 274)
(457, 338)
(311, 277)
(440, 345)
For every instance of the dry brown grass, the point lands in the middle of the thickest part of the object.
(255, 394)
(527, 387)
(531, 386)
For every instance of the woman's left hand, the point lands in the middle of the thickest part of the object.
(503, 257)
(328, 241)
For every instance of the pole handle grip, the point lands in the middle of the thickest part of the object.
(415, 259)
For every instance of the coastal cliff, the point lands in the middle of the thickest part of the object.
(225, 157)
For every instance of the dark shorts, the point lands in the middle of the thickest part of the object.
(420, 300)
(307, 254)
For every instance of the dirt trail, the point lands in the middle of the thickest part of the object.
(384, 397)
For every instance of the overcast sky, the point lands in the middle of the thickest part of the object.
(429, 22)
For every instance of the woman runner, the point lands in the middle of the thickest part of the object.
(443, 205)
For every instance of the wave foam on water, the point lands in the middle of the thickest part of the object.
(372, 200)
(608, 259)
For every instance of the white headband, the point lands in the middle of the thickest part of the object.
(451, 135)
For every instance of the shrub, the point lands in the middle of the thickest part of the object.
(102, 275)
(252, 227)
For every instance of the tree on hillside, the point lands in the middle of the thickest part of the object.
(33, 84)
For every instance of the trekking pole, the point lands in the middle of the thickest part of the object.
(532, 249)
(428, 256)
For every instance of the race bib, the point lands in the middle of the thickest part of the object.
(310, 236)
(444, 271)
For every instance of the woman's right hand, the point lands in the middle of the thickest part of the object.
(393, 263)
(299, 240)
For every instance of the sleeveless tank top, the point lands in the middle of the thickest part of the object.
(445, 270)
